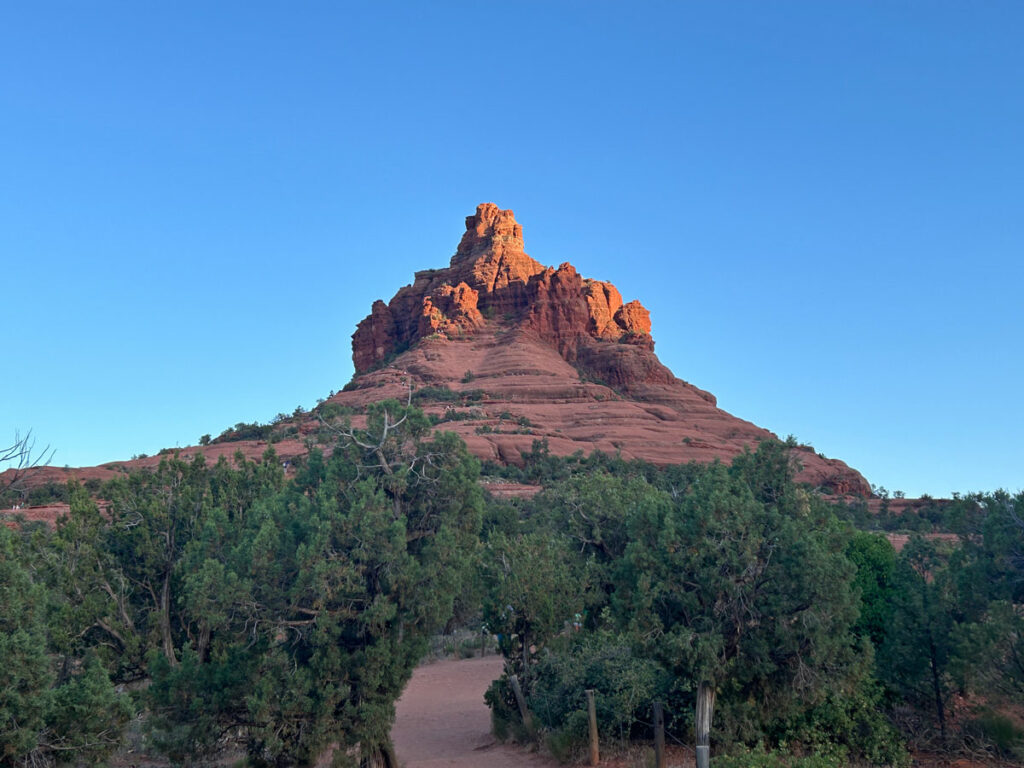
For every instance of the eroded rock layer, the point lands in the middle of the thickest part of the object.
(491, 276)
(537, 352)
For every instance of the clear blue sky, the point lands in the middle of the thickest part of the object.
(821, 203)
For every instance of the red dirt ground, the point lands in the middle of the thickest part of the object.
(442, 720)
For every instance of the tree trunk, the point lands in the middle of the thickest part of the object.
(940, 710)
(204, 641)
(595, 752)
(165, 620)
(933, 662)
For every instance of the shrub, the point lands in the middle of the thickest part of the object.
(330, 411)
(244, 431)
(565, 743)
(434, 394)
(998, 730)
(759, 757)
(48, 494)
(505, 720)
(283, 433)
(468, 648)
(849, 724)
(625, 686)
(450, 414)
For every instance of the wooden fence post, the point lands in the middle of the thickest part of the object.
(595, 755)
(521, 701)
(659, 735)
(705, 711)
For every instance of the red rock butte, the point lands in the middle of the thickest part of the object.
(505, 351)
(538, 352)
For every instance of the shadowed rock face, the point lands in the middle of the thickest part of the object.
(550, 354)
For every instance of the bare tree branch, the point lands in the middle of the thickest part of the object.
(22, 457)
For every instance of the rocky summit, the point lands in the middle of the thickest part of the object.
(491, 278)
(509, 351)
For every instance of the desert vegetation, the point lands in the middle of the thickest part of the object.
(234, 608)
(819, 640)
(230, 610)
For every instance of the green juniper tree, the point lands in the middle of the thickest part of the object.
(743, 586)
(302, 613)
(55, 704)
(534, 591)
(733, 577)
(875, 560)
(915, 657)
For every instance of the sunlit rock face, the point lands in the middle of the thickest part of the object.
(491, 277)
(542, 352)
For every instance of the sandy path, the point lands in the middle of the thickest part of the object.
(442, 719)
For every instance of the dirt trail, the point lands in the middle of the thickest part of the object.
(442, 719)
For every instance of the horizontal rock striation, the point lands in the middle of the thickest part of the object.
(491, 276)
(544, 353)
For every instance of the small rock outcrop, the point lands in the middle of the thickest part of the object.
(450, 311)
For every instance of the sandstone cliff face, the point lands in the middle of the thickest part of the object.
(553, 355)
(450, 311)
(491, 276)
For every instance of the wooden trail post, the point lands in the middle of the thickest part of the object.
(595, 755)
(705, 711)
(483, 643)
(659, 735)
(521, 701)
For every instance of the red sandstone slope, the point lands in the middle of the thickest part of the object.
(549, 354)
(531, 352)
